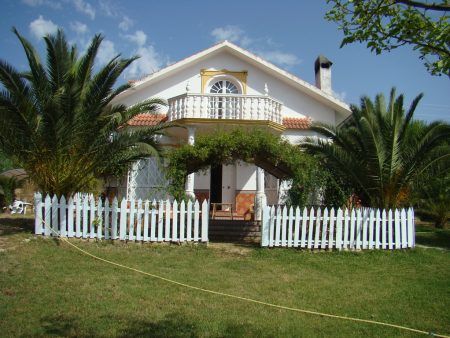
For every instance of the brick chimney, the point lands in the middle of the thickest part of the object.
(322, 68)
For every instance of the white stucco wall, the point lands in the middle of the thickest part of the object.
(295, 102)
(245, 176)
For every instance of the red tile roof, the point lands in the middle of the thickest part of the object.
(147, 119)
(297, 123)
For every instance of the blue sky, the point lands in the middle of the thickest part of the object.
(290, 34)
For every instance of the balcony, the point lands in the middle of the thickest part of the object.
(225, 106)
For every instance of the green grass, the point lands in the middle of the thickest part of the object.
(49, 289)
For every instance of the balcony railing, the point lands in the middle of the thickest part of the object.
(224, 106)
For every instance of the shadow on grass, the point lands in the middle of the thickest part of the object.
(435, 238)
(172, 325)
(10, 225)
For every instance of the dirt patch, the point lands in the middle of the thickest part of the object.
(231, 248)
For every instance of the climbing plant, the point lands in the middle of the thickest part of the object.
(266, 150)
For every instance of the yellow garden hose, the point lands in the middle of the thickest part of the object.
(316, 313)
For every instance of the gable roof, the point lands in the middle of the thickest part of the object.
(294, 81)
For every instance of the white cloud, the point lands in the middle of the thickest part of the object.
(49, 3)
(149, 62)
(279, 57)
(139, 38)
(108, 8)
(41, 27)
(79, 27)
(106, 52)
(231, 33)
(264, 47)
(85, 8)
(126, 23)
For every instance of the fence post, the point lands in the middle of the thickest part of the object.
(265, 221)
(38, 213)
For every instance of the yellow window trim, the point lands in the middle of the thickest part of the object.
(206, 75)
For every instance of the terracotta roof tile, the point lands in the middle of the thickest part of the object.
(297, 123)
(147, 119)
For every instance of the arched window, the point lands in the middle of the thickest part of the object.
(224, 87)
(223, 107)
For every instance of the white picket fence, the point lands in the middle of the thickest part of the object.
(85, 217)
(337, 229)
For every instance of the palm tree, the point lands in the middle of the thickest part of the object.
(59, 121)
(381, 150)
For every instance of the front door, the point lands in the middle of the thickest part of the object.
(216, 184)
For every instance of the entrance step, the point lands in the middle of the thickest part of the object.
(234, 231)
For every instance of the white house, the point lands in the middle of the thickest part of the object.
(221, 87)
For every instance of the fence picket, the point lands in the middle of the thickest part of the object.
(167, 224)
(47, 215)
(278, 227)
(107, 211)
(205, 220)
(99, 219)
(131, 220)
(390, 225)
(283, 226)
(371, 228)
(359, 226)
(377, 229)
(272, 226)
(55, 215)
(62, 217)
(346, 222)
(317, 230)
(339, 220)
(304, 220)
(331, 231)
(384, 230)
(160, 220)
(404, 237)
(38, 213)
(84, 210)
(397, 229)
(182, 220)
(123, 220)
(310, 228)
(92, 218)
(146, 214)
(196, 220)
(175, 221)
(324, 229)
(365, 230)
(410, 228)
(352, 229)
(139, 212)
(153, 222)
(290, 223)
(296, 226)
(189, 221)
(115, 207)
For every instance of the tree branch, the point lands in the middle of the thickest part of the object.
(433, 6)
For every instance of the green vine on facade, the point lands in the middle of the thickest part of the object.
(262, 148)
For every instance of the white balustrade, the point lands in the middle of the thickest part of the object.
(225, 106)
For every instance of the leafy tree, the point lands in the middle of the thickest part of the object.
(381, 150)
(389, 24)
(5, 162)
(59, 121)
(432, 195)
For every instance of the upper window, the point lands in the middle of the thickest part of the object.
(224, 87)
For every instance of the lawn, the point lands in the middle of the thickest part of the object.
(49, 289)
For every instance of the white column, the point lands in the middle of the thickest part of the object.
(260, 196)
(189, 188)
